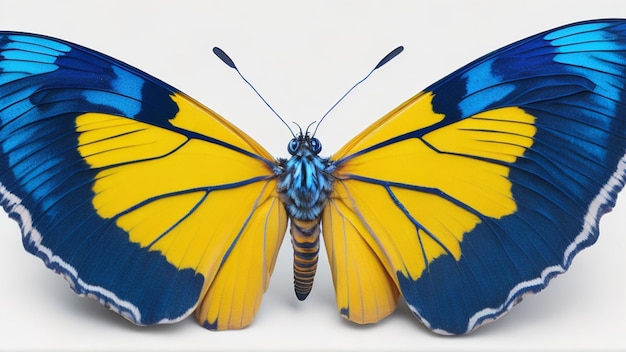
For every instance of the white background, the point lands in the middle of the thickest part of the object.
(302, 56)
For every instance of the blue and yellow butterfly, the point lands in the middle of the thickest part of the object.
(464, 199)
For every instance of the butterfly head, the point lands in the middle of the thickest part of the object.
(304, 144)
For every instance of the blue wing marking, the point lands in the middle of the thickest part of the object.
(573, 81)
(46, 185)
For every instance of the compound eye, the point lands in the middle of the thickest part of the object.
(293, 146)
(316, 146)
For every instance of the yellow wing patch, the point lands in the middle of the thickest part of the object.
(235, 295)
(396, 123)
(202, 205)
(423, 194)
(501, 134)
(192, 116)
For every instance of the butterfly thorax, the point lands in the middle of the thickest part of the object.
(304, 184)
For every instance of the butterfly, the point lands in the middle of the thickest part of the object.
(464, 199)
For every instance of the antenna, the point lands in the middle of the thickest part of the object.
(382, 62)
(228, 61)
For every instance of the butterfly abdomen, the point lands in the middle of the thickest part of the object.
(305, 239)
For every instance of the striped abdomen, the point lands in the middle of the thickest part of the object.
(305, 239)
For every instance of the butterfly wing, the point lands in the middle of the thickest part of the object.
(483, 187)
(139, 196)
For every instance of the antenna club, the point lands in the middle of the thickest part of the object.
(224, 57)
(395, 52)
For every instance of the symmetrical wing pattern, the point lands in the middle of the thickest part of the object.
(470, 195)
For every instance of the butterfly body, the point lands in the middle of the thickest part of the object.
(305, 183)
(464, 199)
